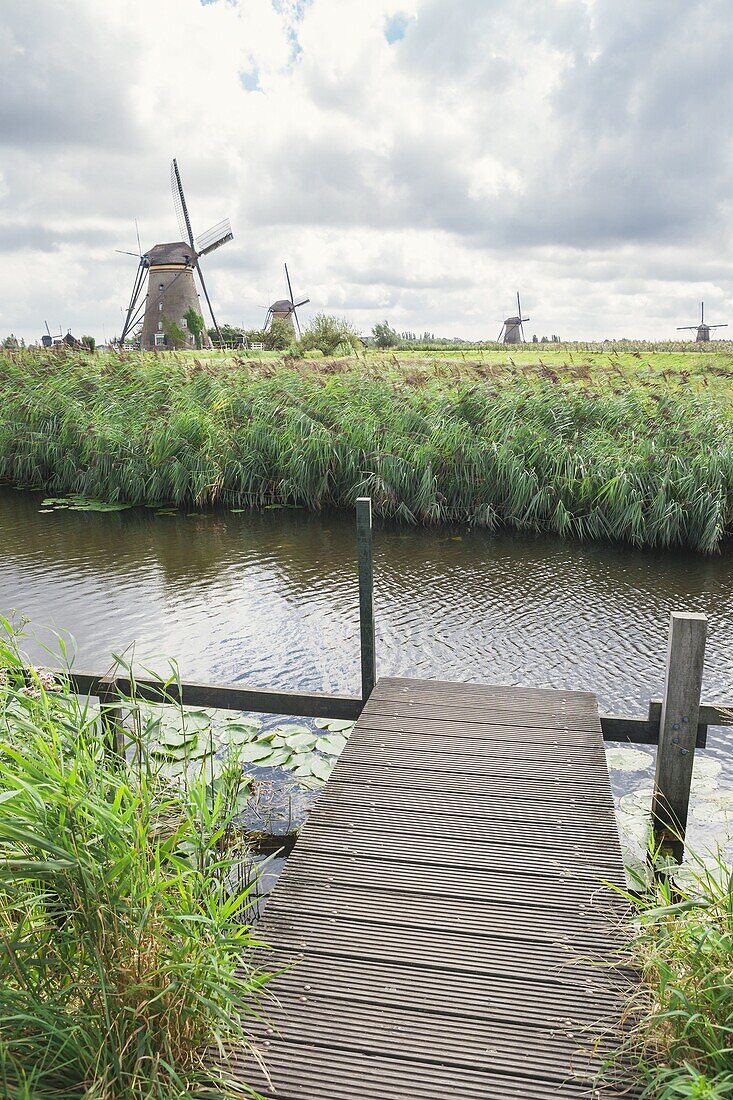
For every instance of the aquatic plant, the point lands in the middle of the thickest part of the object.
(680, 1018)
(592, 450)
(126, 955)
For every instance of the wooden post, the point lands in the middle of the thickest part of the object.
(111, 715)
(366, 595)
(678, 729)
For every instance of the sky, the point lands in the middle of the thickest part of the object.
(415, 161)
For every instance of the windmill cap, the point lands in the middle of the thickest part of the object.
(283, 306)
(178, 252)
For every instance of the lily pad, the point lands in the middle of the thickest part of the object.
(332, 745)
(298, 742)
(238, 733)
(255, 753)
(334, 725)
(637, 803)
(278, 758)
(623, 759)
(311, 765)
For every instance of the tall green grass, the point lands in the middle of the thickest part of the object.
(637, 460)
(126, 957)
(680, 1020)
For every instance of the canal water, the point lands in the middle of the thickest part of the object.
(271, 599)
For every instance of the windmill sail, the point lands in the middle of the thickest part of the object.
(214, 238)
(179, 204)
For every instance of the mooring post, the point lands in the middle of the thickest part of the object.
(678, 729)
(366, 595)
(111, 715)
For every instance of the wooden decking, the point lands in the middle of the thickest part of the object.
(443, 916)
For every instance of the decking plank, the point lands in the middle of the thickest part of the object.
(443, 922)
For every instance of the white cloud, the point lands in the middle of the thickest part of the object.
(416, 159)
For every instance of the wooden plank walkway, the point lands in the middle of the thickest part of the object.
(442, 915)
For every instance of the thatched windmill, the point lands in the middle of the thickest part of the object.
(512, 331)
(285, 308)
(703, 330)
(171, 287)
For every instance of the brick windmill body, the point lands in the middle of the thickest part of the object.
(167, 272)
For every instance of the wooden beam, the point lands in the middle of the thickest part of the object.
(366, 595)
(222, 696)
(108, 691)
(640, 731)
(678, 729)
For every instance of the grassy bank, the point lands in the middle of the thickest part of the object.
(681, 1018)
(629, 445)
(120, 928)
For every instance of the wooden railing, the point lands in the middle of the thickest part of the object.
(677, 723)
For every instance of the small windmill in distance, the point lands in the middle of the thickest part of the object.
(512, 330)
(285, 308)
(703, 330)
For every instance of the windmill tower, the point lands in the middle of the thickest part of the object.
(285, 308)
(171, 287)
(703, 330)
(512, 330)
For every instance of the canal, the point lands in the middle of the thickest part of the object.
(271, 599)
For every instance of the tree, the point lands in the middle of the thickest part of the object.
(279, 335)
(88, 342)
(384, 336)
(328, 335)
(195, 324)
(175, 336)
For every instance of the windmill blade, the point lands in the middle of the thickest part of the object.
(137, 234)
(519, 307)
(179, 204)
(684, 328)
(214, 238)
(134, 297)
(268, 317)
(719, 326)
(297, 322)
(208, 302)
(290, 289)
(501, 333)
(702, 313)
(48, 330)
(299, 304)
(123, 252)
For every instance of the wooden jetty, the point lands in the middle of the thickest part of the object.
(443, 920)
(446, 926)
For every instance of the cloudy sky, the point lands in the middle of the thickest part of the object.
(415, 160)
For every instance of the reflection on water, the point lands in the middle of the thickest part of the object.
(272, 599)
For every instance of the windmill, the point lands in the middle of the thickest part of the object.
(169, 271)
(512, 331)
(703, 330)
(285, 308)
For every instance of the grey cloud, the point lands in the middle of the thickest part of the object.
(63, 80)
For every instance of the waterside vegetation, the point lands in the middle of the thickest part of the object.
(127, 959)
(680, 1019)
(612, 443)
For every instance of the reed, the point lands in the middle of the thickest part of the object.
(642, 455)
(125, 954)
(680, 1038)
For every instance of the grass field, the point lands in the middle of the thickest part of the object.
(590, 441)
